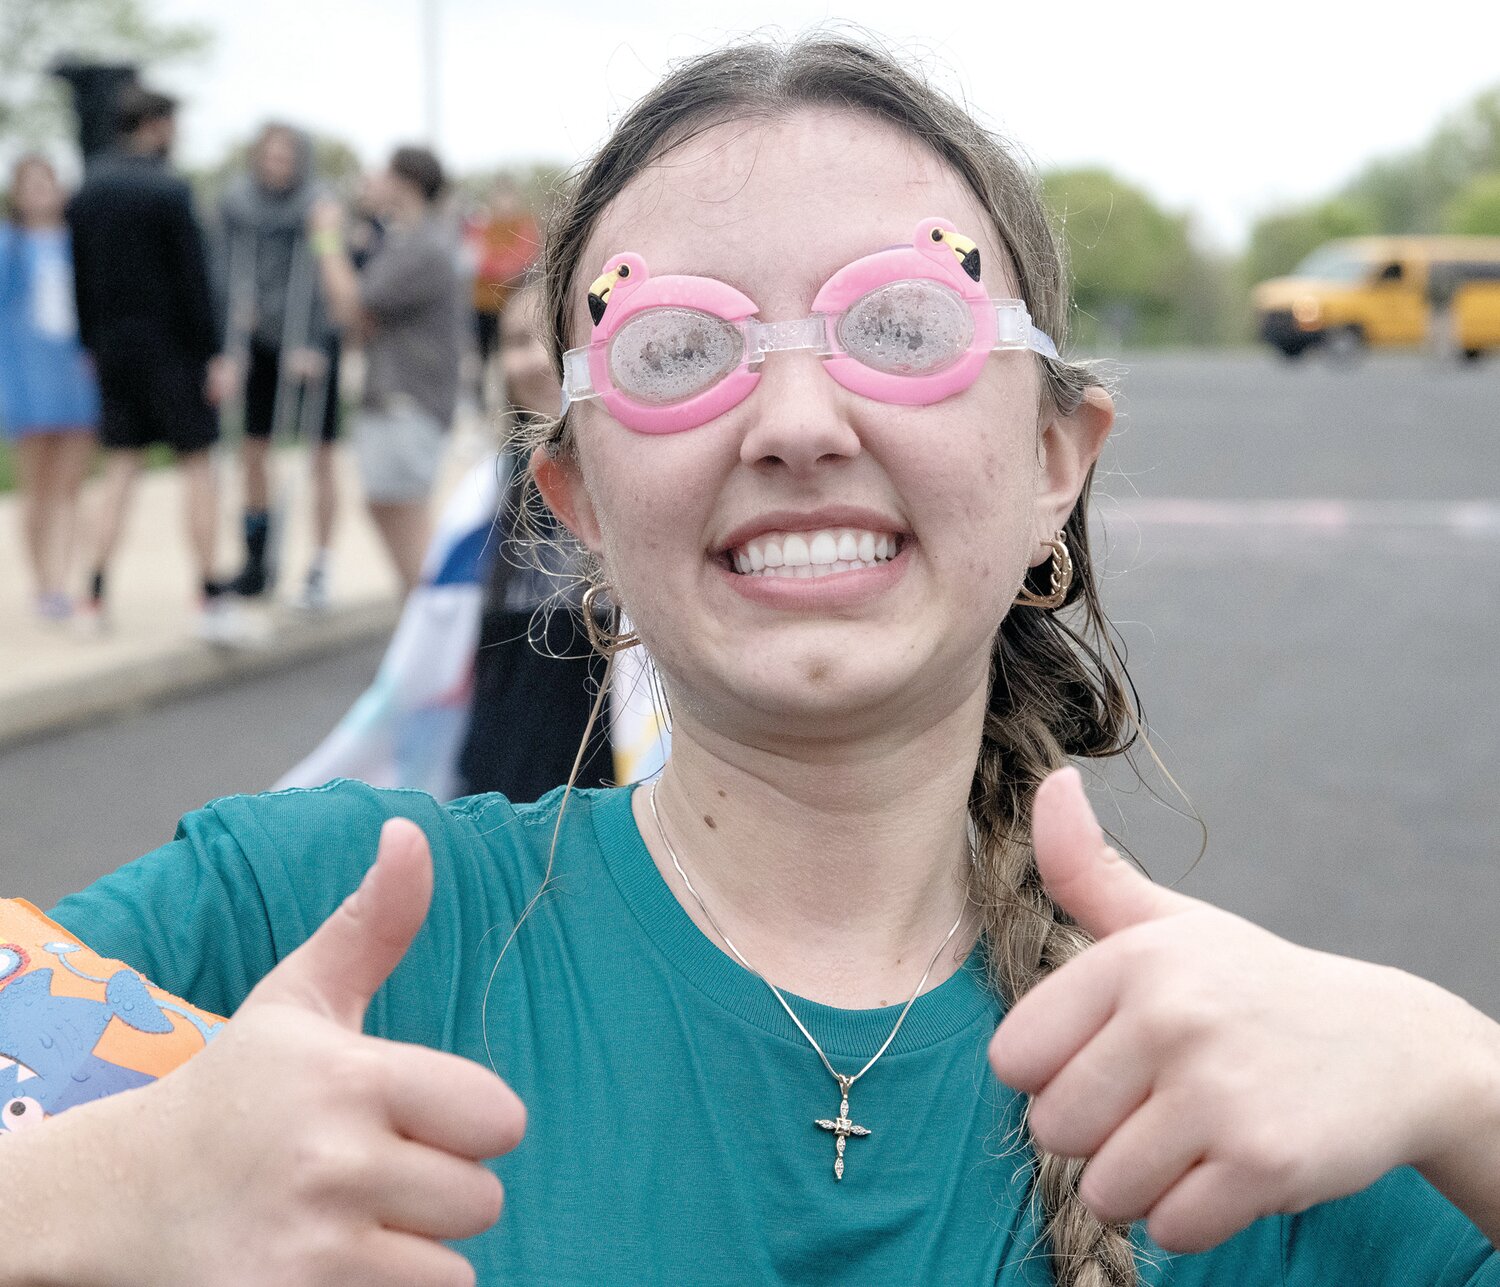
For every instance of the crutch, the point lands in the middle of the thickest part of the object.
(294, 396)
(239, 326)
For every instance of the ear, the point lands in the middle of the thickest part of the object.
(1070, 445)
(560, 481)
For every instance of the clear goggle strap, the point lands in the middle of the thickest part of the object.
(578, 382)
(1013, 330)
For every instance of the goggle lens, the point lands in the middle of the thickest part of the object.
(668, 355)
(907, 328)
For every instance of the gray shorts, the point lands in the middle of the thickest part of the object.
(398, 448)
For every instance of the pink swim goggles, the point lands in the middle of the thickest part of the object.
(909, 325)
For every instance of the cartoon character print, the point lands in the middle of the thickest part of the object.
(48, 1056)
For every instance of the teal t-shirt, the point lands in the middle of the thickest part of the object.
(671, 1102)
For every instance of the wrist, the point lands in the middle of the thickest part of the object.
(45, 1221)
(1462, 1160)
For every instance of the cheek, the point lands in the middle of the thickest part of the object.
(981, 475)
(648, 498)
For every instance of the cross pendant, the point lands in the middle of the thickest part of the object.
(841, 1127)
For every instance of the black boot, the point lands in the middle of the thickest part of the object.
(255, 577)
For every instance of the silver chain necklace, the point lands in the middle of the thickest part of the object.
(841, 1126)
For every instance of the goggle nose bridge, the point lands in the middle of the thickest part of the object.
(781, 337)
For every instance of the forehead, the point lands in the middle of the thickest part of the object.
(775, 207)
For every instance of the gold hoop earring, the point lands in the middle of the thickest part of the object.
(1062, 579)
(606, 639)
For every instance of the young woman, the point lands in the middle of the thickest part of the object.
(49, 405)
(821, 450)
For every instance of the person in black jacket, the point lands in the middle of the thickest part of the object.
(146, 315)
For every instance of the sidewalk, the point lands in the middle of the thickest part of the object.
(51, 677)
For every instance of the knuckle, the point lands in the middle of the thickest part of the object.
(327, 1165)
(1179, 1018)
(1098, 1191)
(1265, 1156)
(458, 1272)
(507, 1119)
(359, 1072)
(495, 1198)
(1045, 1120)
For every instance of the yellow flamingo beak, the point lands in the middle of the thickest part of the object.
(599, 294)
(966, 250)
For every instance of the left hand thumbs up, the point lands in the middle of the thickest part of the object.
(1210, 1071)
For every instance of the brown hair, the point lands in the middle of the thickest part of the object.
(1056, 690)
(420, 167)
(138, 106)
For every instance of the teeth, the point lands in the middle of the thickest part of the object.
(801, 555)
(23, 1073)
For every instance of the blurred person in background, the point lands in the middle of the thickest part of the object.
(503, 242)
(534, 671)
(49, 403)
(146, 314)
(408, 303)
(489, 678)
(277, 325)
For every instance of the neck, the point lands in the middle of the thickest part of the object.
(404, 213)
(835, 869)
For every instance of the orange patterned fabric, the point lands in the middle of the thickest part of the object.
(75, 1026)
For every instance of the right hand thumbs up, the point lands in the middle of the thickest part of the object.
(302, 1151)
(348, 957)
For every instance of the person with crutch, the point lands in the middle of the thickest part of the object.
(289, 349)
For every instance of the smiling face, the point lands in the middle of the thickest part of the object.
(916, 522)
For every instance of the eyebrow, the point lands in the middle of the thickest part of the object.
(809, 284)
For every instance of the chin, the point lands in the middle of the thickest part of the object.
(829, 697)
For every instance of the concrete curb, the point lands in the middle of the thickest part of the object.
(186, 668)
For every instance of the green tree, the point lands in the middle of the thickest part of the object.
(1137, 276)
(1475, 211)
(1412, 191)
(34, 34)
(1281, 240)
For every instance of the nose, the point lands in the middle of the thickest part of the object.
(796, 418)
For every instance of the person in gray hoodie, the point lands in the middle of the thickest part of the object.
(284, 342)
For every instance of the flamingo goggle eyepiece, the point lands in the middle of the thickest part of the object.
(910, 325)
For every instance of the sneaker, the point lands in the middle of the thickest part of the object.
(224, 624)
(252, 582)
(314, 596)
(54, 608)
(92, 620)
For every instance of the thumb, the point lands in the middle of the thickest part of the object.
(1084, 876)
(348, 957)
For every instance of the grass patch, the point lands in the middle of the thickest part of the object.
(157, 457)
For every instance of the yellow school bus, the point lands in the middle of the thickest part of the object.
(1439, 292)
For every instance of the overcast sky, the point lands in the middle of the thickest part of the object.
(1223, 110)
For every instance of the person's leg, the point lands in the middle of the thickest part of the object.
(325, 495)
(255, 457)
(63, 465)
(30, 456)
(75, 457)
(122, 466)
(200, 510)
(405, 528)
